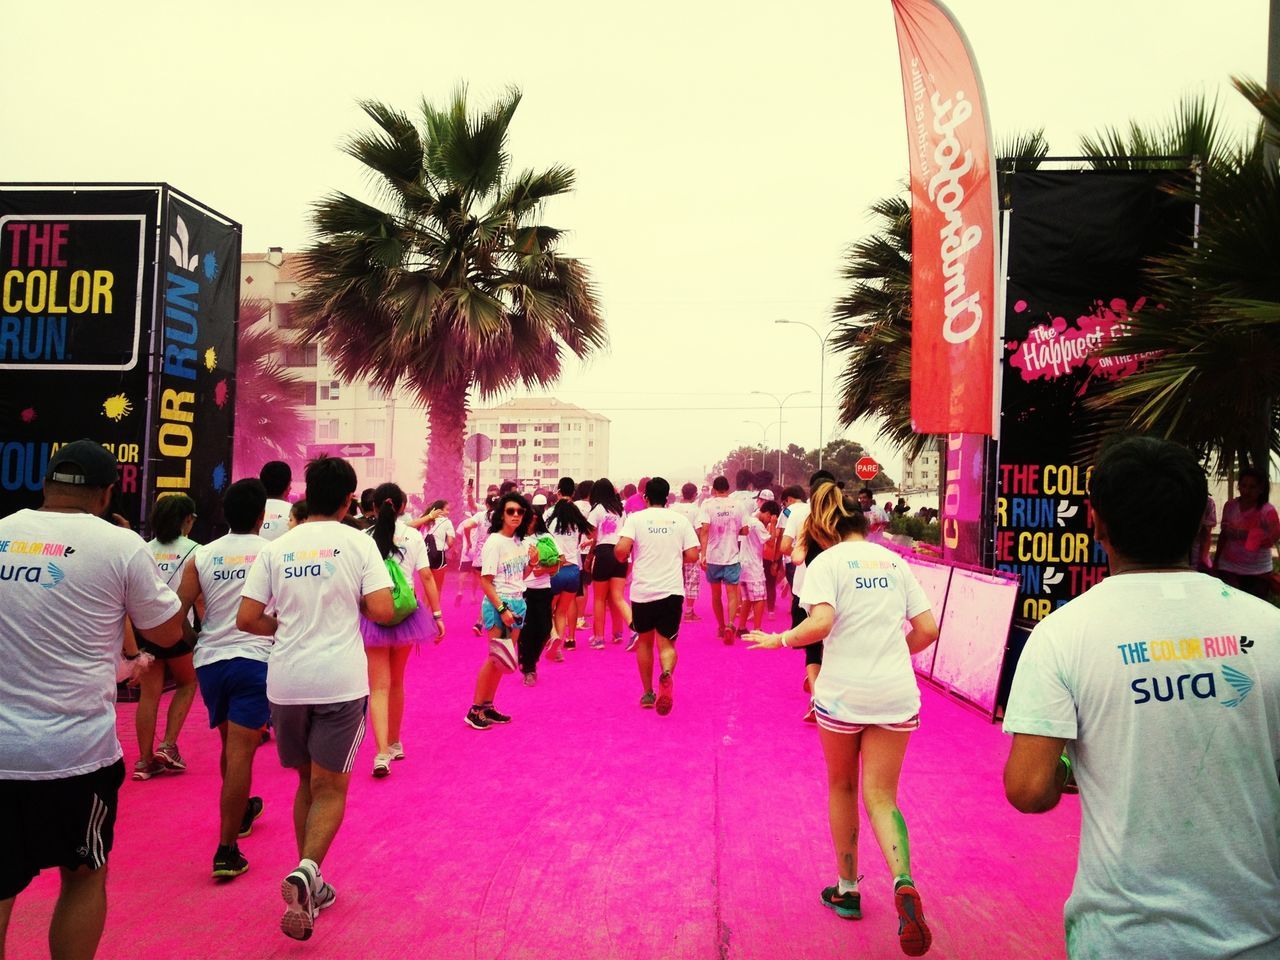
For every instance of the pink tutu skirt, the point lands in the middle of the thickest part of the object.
(418, 627)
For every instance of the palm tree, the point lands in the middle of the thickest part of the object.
(449, 282)
(269, 423)
(1215, 382)
(874, 318)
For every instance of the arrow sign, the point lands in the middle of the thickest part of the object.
(350, 448)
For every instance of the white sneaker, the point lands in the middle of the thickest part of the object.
(396, 750)
(382, 765)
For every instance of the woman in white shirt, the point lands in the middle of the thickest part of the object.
(171, 520)
(568, 525)
(437, 531)
(387, 648)
(858, 594)
(607, 573)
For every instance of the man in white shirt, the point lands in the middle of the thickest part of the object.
(1163, 684)
(662, 541)
(277, 478)
(720, 524)
(68, 579)
(318, 577)
(877, 518)
(231, 665)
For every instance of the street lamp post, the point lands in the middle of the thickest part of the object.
(781, 403)
(822, 378)
(764, 435)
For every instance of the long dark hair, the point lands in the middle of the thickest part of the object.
(566, 517)
(603, 495)
(533, 523)
(499, 508)
(584, 490)
(168, 515)
(390, 500)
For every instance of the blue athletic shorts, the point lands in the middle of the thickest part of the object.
(723, 573)
(235, 690)
(566, 580)
(492, 618)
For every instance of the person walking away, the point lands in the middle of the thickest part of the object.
(538, 594)
(582, 500)
(751, 559)
(439, 535)
(689, 508)
(661, 541)
(1163, 685)
(318, 578)
(171, 548)
(568, 527)
(231, 665)
(387, 648)
(720, 524)
(858, 594)
(608, 575)
(277, 478)
(61, 766)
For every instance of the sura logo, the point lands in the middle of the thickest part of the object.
(947, 193)
(1199, 686)
(24, 574)
(323, 570)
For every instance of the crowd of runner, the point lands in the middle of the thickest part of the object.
(297, 625)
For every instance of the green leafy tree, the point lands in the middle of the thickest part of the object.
(450, 281)
(1217, 329)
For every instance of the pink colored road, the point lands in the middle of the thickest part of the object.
(590, 829)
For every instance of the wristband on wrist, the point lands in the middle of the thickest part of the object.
(437, 614)
(782, 638)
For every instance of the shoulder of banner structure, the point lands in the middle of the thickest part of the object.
(162, 188)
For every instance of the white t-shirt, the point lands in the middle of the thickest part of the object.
(505, 559)
(1168, 686)
(724, 519)
(689, 510)
(411, 549)
(479, 533)
(538, 581)
(659, 537)
(171, 558)
(799, 513)
(584, 508)
(67, 580)
(608, 525)
(752, 554)
(867, 675)
(567, 540)
(275, 519)
(222, 567)
(314, 576)
(440, 531)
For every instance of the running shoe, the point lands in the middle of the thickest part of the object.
(666, 694)
(913, 933)
(582, 623)
(556, 655)
(647, 701)
(167, 753)
(597, 643)
(252, 811)
(634, 639)
(229, 863)
(146, 769)
(847, 905)
(571, 644)
(299, 917)
(396, 750)
(617, 638)
(692, 617)
(324, 897)
(530, 679)
(382, 765)
(811, 715)
(476, 720)
(493, 716)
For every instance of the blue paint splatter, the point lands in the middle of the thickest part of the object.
(210, 265)
(219, 476)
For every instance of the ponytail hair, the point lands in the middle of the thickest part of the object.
(832, 517)
(169, 514)
(389, 500)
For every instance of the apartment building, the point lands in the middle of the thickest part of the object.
(537, 440)
(921, 473)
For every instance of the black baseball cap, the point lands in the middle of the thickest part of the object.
(84, 463)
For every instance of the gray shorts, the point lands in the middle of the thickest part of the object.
(326, 734)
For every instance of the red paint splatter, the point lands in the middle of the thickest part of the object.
(28, 415)
(1020, 306)
(220, 393)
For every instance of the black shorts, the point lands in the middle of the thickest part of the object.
(180, 649)
(812, 652)
(605, 566)
(56, 823)
(660, 615)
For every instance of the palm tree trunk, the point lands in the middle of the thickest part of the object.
(447, 417)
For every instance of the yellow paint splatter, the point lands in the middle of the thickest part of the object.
(210, 358)
(117, 407)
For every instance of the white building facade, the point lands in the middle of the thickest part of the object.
(921, 473)
(538, 440)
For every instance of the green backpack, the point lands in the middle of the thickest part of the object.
(402, 595)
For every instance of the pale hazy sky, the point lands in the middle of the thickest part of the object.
(726, 153)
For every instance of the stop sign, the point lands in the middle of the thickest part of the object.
(866, 468)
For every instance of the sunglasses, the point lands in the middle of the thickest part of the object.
(513, 512)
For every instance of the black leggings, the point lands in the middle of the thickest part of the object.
(537, 627)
